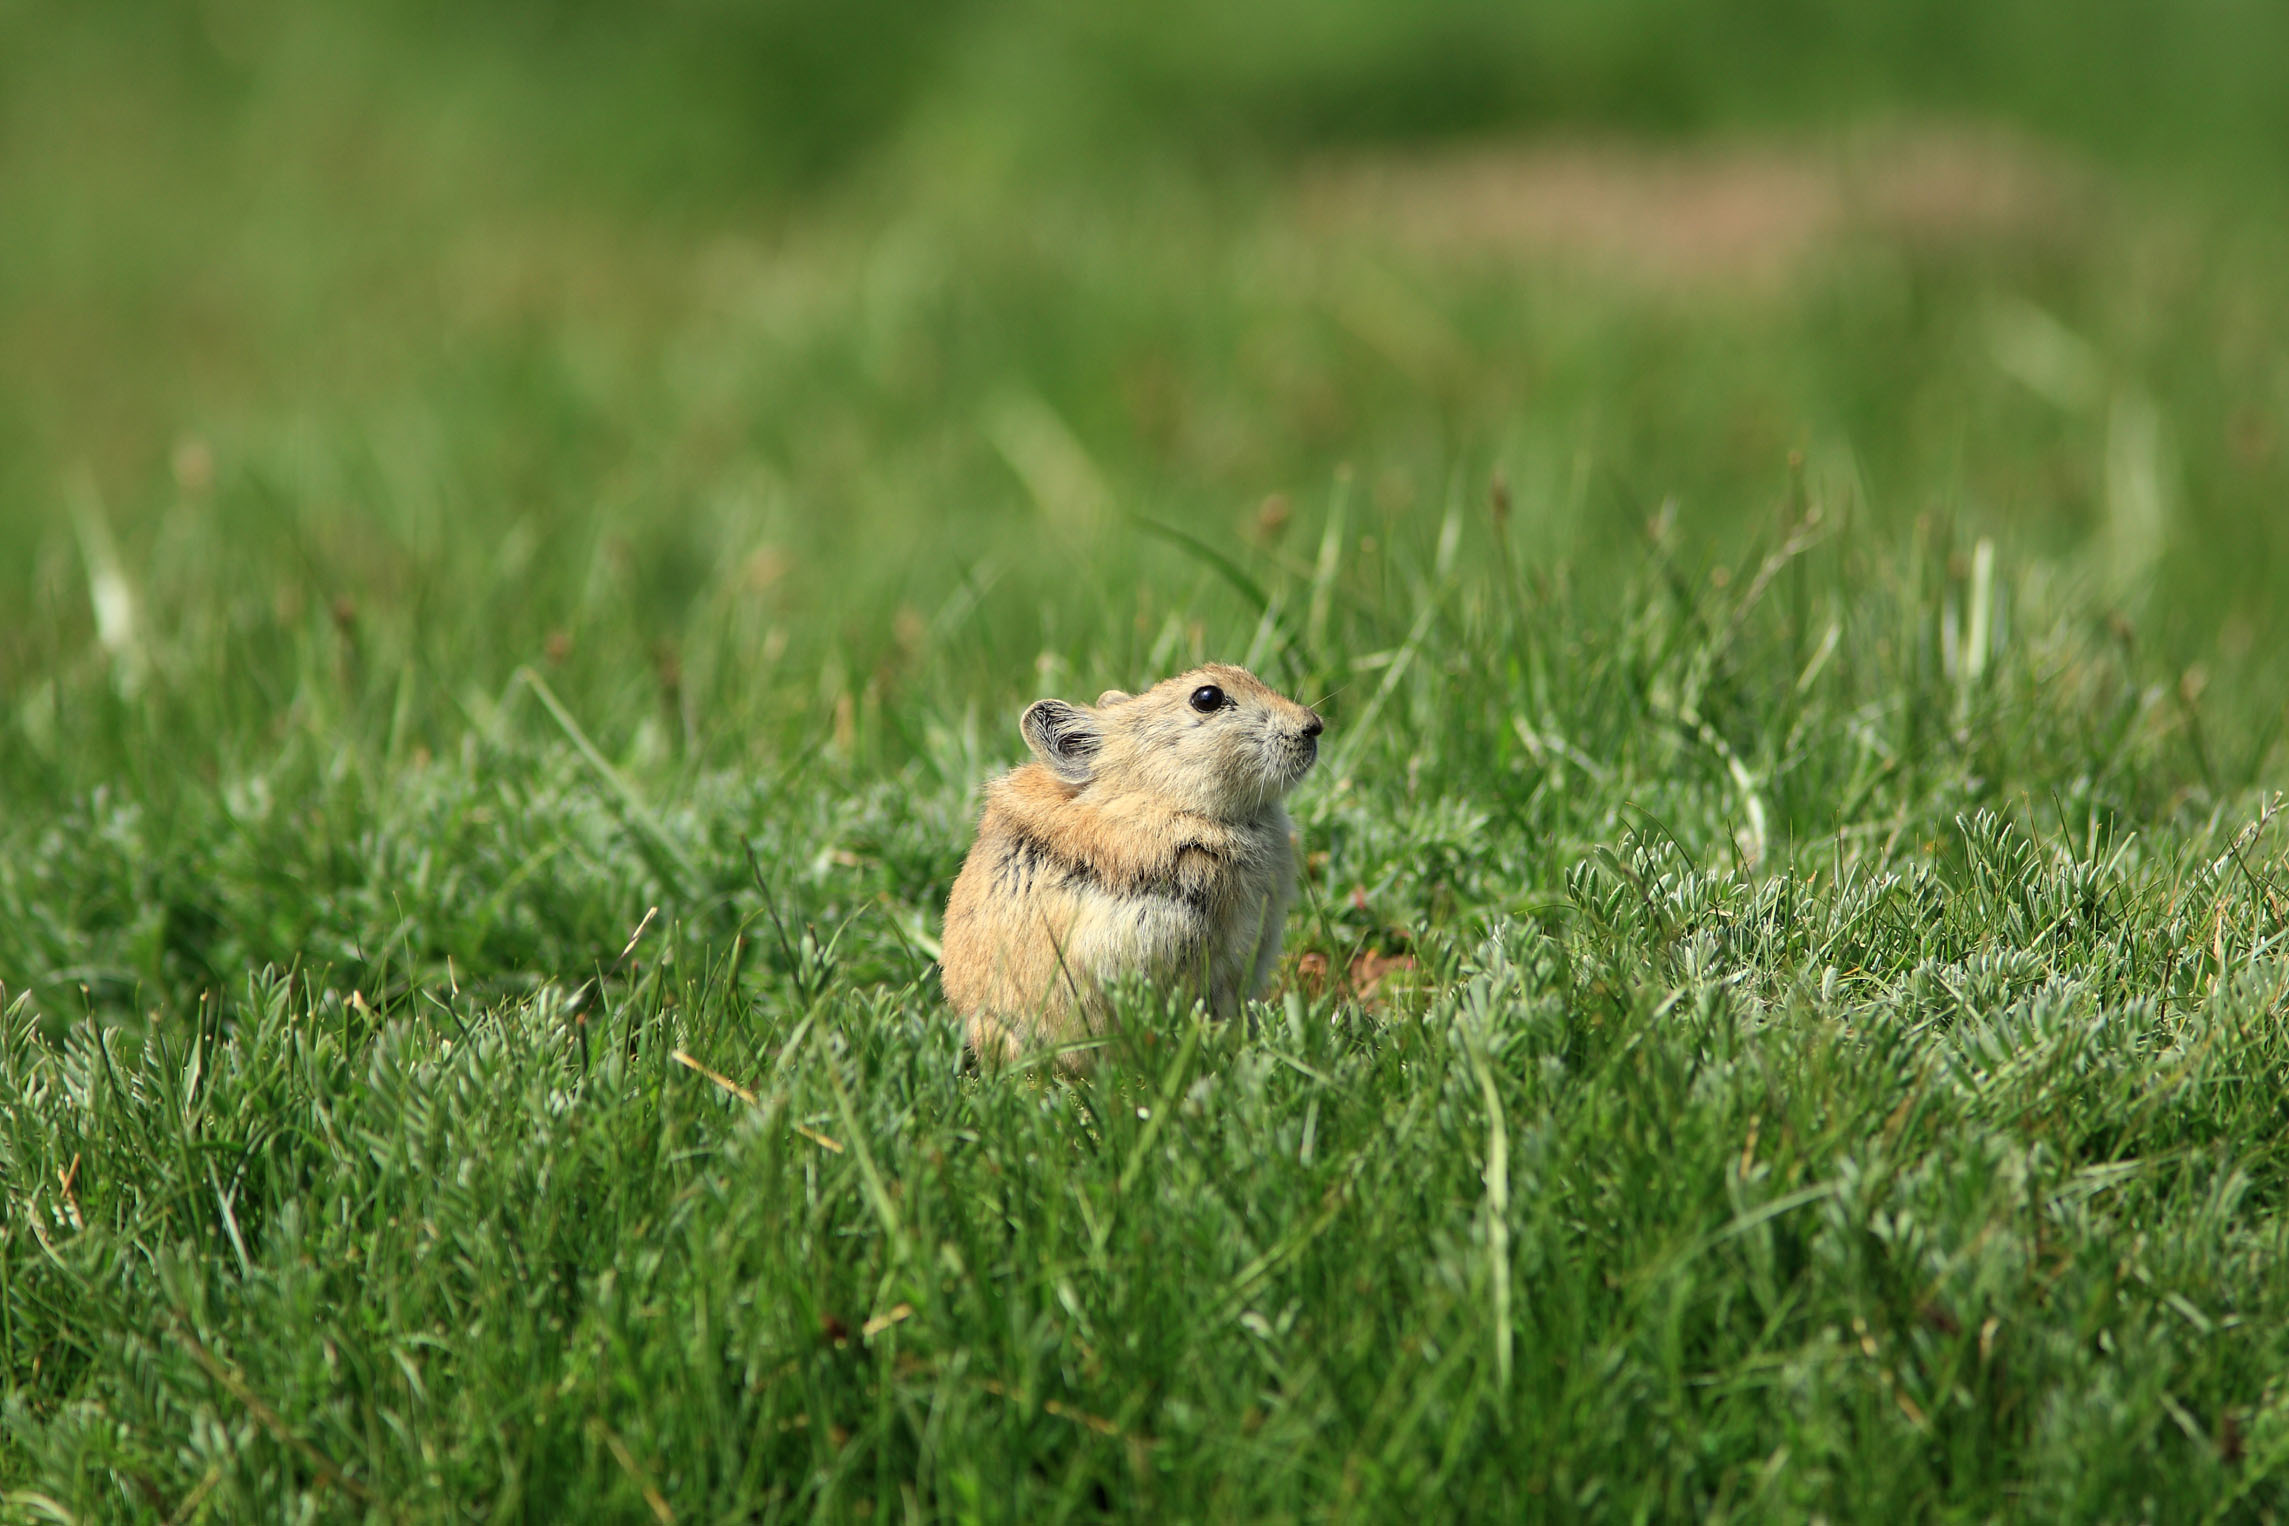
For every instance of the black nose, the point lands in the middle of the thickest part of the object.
(1314, 726)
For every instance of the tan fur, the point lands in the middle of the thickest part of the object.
(1147, 838)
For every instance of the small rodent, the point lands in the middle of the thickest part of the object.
(1147, 837)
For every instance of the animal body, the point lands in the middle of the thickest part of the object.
(1146, 837)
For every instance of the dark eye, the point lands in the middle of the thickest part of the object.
(1206, 698)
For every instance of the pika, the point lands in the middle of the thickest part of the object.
(1146, 837)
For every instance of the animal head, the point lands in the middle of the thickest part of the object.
(1217, 740)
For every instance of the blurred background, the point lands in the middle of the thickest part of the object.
(792, 358)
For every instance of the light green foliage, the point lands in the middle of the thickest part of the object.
(496, 664)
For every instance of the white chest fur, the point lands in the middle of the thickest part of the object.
(1214, 934)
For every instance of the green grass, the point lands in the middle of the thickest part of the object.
(1931, 1167)
(498, 652)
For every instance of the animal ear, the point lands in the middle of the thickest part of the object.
(1063, 736)
(1111, 697)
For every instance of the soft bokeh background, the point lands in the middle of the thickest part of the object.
(795, 333)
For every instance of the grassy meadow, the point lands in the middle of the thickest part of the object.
(523, 530)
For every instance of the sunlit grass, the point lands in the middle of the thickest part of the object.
(1839, 1071)
(1785, 1013)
